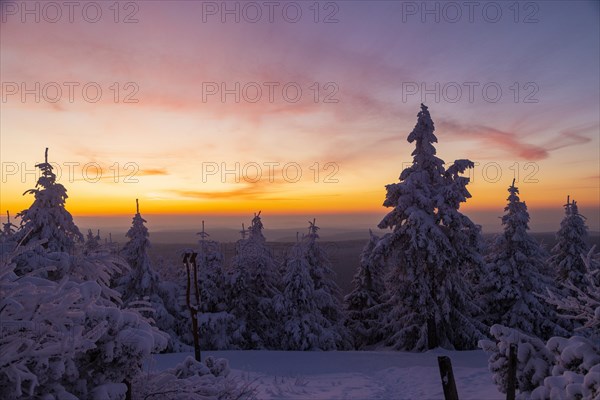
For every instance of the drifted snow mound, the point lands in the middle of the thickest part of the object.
(192, 380)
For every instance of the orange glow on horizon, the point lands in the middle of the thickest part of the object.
(484, 199)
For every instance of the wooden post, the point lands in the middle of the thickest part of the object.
(189, 260)
(448, 383)
(511, 381)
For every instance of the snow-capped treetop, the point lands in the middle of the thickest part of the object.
(47, 217)
(320, 266)
(312, 229)
(426, 185)
(203, 234)
(210, 255)
(422, 134)
(255, 229)
(8, 228)
(208, 247)
(516, 224)
(138, 232)
(516, 219)
(572, 243)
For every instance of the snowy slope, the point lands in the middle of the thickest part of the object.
(348, 375)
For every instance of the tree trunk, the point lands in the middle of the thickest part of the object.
(511, 383)
(432, 339)
(432, 335)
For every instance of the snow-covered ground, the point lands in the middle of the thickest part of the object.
(345, 375)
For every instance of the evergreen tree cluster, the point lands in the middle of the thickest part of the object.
(428, 282)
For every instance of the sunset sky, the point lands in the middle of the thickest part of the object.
(366, 66)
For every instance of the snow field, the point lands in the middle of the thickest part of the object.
(347, 375)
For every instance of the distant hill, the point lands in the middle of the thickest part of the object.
(344, 253)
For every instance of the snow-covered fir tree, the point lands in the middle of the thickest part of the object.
(47, 219)
(304, 326)
(431, 246)
(326, 291)
(142, 282)
(215, 321)
(254, 284)
(572, 243)
(514, 274)
(364, 302)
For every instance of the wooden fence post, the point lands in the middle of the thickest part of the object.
(189, 261)
(448, 383)
(511, 381)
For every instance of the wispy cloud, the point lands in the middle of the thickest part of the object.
(152, 171)
(512, 144)
(573, 136)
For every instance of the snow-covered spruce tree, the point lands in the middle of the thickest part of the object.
(364, 302)
(47, 217)
(304, 326)
(514, 276)
(572, 243)
(326, 291)
(142, 283)
(430, 247)
(254, 284)
(214, 320)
